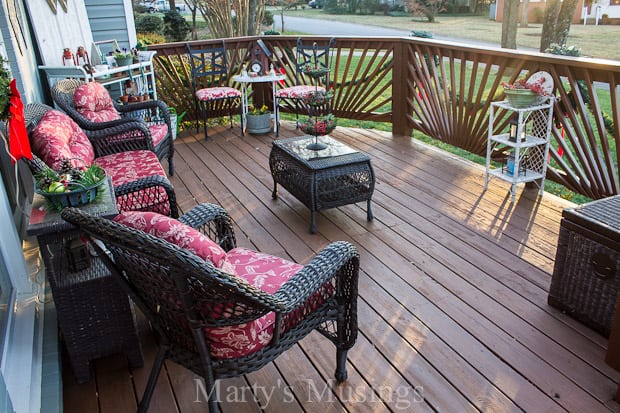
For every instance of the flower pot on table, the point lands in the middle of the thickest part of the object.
(258, 124)
(520, 98)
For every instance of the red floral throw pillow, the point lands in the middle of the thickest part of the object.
(174, 232)
(93, 101)
(58, 137)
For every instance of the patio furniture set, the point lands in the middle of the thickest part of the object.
(186, 274)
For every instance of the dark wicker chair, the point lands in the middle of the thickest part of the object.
(307, 53)
(151, 112)
(209, 70)
(182, 295)
(149, 193)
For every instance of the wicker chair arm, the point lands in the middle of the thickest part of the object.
(160, 105)
(153, 181)
(213, 221)
(126, 136)
(327, 264)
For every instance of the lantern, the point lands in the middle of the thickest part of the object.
(513, 124)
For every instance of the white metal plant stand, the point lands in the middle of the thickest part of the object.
(528, 151)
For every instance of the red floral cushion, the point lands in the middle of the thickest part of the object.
(158, 132)
(93, 101)
(265, 272)
(212, 93)
(174, 232)
(126, 167)
(58, 137)
(297, 92)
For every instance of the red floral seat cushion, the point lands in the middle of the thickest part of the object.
(158, 132)
(174, 232)
(127, 167)
(297, 92)
(58, 137)
(93, 101)
(265, 272)
(213, 93)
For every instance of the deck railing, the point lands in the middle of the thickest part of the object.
(444, 90)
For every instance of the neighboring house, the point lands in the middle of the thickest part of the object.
(606, 10)
(34, 33)
(536, 10)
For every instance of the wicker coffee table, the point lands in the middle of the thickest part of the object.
(329, 178)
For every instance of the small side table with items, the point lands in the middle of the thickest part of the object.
(95, 315)
(525, 146)
(245, 80)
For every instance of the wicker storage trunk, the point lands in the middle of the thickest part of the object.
(586, 276)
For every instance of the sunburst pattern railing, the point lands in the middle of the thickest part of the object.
(444, 90)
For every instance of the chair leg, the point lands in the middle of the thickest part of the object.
(150, 386)
(341, 365)
(170, 163)
(204, 119)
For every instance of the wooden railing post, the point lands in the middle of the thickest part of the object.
(401, 113)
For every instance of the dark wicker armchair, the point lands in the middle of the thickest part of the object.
(186, 298)
(144, 188)
(154, 114)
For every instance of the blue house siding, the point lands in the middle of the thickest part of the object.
(111, 19)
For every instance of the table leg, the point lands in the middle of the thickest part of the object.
(313, 222)
(274, 194)
(244, 107)
(273, 99)
(369, 216)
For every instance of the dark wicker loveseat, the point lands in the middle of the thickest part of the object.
(153, 114)
(186, 297)
(146, 188)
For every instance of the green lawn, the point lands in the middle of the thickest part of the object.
(590, 39)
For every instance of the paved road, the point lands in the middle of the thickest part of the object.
(335, 28)
(328, 27)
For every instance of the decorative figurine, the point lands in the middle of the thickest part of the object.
(244, 70)
(67, 57)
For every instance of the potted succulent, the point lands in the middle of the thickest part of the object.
(258, 119)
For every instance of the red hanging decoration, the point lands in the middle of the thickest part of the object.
(19, 145)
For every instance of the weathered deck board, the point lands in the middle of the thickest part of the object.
(453, 289)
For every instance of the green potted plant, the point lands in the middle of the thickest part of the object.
(5, 91)
(123, 57)
(258, 119)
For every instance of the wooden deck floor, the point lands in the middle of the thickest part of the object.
(453, 310)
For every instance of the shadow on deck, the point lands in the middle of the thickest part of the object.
(453, 310)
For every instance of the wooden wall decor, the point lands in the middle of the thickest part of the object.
(54, 5)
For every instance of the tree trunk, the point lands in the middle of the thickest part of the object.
(509, 24)
(549, 24)
(564, 20)
(524, 20)
(282, 20)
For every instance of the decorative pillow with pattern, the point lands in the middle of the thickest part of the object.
(174, 232)
(265, 272)
(58, 137)
(93, 101)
